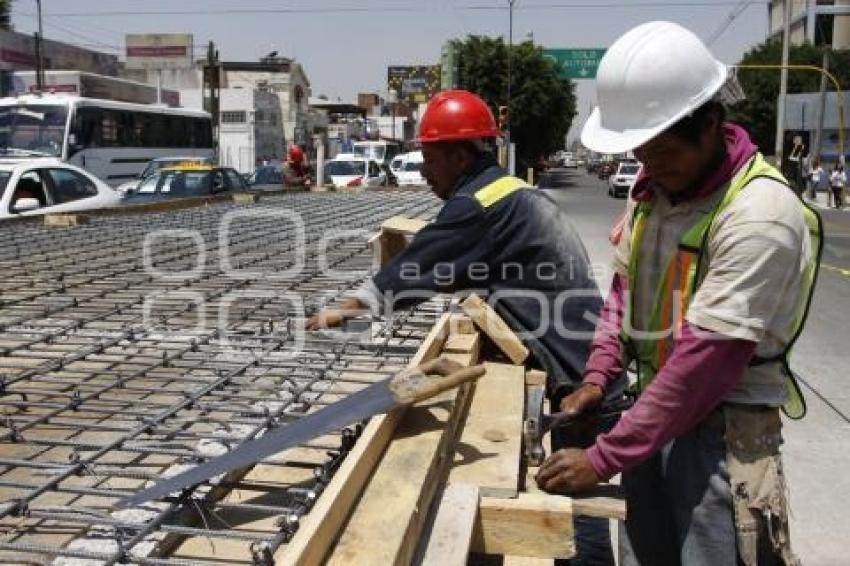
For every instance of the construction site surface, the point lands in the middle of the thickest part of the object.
(135, 344)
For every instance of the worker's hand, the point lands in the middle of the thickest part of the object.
(582, 400)
(333, 317)
(567, 471)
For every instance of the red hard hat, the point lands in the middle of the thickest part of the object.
(457, 115)
(296, 153)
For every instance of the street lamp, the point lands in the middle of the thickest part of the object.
(510, 66)
(39, 48)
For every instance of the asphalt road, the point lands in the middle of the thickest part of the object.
(817, 449)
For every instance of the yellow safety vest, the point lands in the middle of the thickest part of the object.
(684, 275)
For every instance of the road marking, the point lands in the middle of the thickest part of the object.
(838, 270)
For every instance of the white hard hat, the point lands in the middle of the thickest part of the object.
(649, 79)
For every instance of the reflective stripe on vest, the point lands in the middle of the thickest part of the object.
(497, 190)
(683, 276)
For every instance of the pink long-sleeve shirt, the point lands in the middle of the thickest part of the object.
(700, 372)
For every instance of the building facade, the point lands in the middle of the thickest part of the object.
(819, 22)
(17, 53)
(251, 128)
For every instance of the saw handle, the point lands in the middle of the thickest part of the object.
(431, 378)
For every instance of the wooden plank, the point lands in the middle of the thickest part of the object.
(462, 348)
(246, 198)
(65, 220)
(319, 529)
(488, 453)
(391, 245)
(535, 377)
(606, 501)
(526, 561)
(451, 535)
(532, 525)
(403, 225)
(462, 324)
(388, 520)
(462, 343)
(495, 328)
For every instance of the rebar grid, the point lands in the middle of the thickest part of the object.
(118, 367)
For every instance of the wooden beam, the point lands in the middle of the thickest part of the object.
(495, 328)
(65, 220)
(451, 535)
(392, 510)
(488, 453)
(526, 561)
(462, 348)
(535, 377)
(403, 225)
(246, 198)
(462, 324)
(393, 237)
(532, 525)
(389, 518)
(321, 526)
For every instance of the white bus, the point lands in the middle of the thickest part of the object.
(113, 140)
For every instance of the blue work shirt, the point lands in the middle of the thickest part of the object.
(516, 243)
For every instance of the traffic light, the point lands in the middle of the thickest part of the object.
(504, 117)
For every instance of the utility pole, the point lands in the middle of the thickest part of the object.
(39, 52)
(783, 83)
(212, 80)
(817, 146)
(510, 64)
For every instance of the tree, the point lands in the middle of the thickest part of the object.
(758, 112)
(542, 104)
(5, 14)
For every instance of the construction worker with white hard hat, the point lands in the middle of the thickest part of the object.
(713, 278)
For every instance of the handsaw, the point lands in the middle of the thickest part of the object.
(404, 388)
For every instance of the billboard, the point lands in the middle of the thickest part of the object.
(17, 53)
(414, 84)
(159, 50)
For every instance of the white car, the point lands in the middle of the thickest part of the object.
(355, 172)
(620, 183)
(41, 186)
(411, 170)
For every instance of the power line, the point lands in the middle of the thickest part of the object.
(403, 9)
(736, 11)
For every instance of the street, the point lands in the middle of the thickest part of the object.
(815, 454)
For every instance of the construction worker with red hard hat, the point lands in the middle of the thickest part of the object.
(498, 236)
(295, 168)
(715, 267)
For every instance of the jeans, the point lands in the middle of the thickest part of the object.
(680, 505)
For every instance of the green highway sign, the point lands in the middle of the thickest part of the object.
(576, 63)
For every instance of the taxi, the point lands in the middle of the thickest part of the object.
(187, 180)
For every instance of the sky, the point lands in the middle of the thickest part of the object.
(346, 46)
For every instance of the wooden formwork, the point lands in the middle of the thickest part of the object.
(445, 478)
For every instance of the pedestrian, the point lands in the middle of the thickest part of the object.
(717, 255)
(816, 175)
(295, 171)
(495, 234)
(837, 184)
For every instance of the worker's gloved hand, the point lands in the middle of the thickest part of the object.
(582, 400)
(567, 471)
(334, 317)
